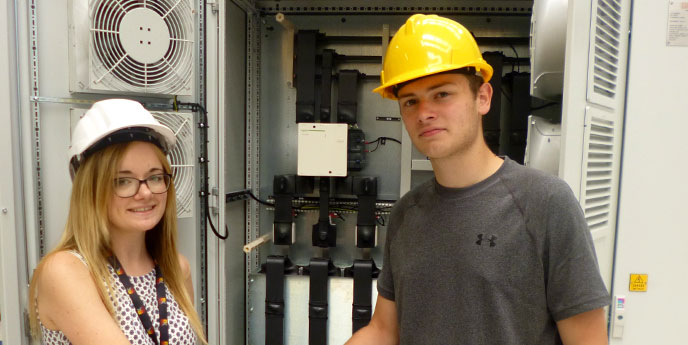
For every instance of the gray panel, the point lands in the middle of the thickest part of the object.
(234, 171)
(340, 299)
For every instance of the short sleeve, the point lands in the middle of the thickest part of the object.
(574, 284)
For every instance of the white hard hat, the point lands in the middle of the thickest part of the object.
(115, 121)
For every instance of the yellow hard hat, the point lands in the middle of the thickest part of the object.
(425, 45)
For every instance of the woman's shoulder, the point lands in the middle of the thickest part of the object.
(64, 264)
(62, 268)
(69, 301)
(60, 277)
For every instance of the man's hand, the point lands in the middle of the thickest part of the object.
(383, 328)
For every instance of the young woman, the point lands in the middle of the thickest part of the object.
(116, 276)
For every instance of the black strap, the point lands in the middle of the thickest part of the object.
(326, 85)
(324, 233)
(305, 75)
(366, 189)
(362, 307)
(161, 295)
(283, 188)
(317, 304)
(347, 101)
(274, 301)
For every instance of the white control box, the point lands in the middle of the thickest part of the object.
(322, 149)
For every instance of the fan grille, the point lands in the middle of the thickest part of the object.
(142, 46)
(181, 158)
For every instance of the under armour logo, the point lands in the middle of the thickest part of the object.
(491, 239)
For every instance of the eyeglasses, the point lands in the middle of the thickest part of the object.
(126, 187)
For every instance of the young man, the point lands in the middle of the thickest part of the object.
(488, 252)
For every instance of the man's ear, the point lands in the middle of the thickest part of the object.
(484, 98)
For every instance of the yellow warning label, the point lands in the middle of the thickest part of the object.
(638, 282)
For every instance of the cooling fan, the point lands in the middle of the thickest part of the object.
(181, 156)
(133, 46)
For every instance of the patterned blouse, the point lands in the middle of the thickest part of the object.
(181, 332)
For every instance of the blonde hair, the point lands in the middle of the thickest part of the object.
(87, 233)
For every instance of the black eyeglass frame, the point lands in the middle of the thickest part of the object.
(145, 181)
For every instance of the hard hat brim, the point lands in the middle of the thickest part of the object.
(163, 131)
(386, 90)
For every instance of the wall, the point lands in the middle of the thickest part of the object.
(235, 171)
(652, 227)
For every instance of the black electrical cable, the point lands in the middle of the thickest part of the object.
(388, 138)
(380, 141)
(376, 145)
(516, 63)
(258, 200)
(212, 227)
(544, 106)
(203, 124)
(380, 220)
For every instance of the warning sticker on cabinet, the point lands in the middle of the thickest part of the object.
(677, 24)
(638, 282)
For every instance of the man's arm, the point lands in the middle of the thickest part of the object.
(383, 328)
(587, 328)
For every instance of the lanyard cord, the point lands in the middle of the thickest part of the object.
(141, 311)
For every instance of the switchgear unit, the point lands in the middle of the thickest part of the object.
(333, 156)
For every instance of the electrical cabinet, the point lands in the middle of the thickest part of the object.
(263, 70)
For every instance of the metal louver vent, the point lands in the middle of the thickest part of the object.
(141, 46)
(606, 47)
(598, 173)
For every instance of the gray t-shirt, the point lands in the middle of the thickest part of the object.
(494, 263)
